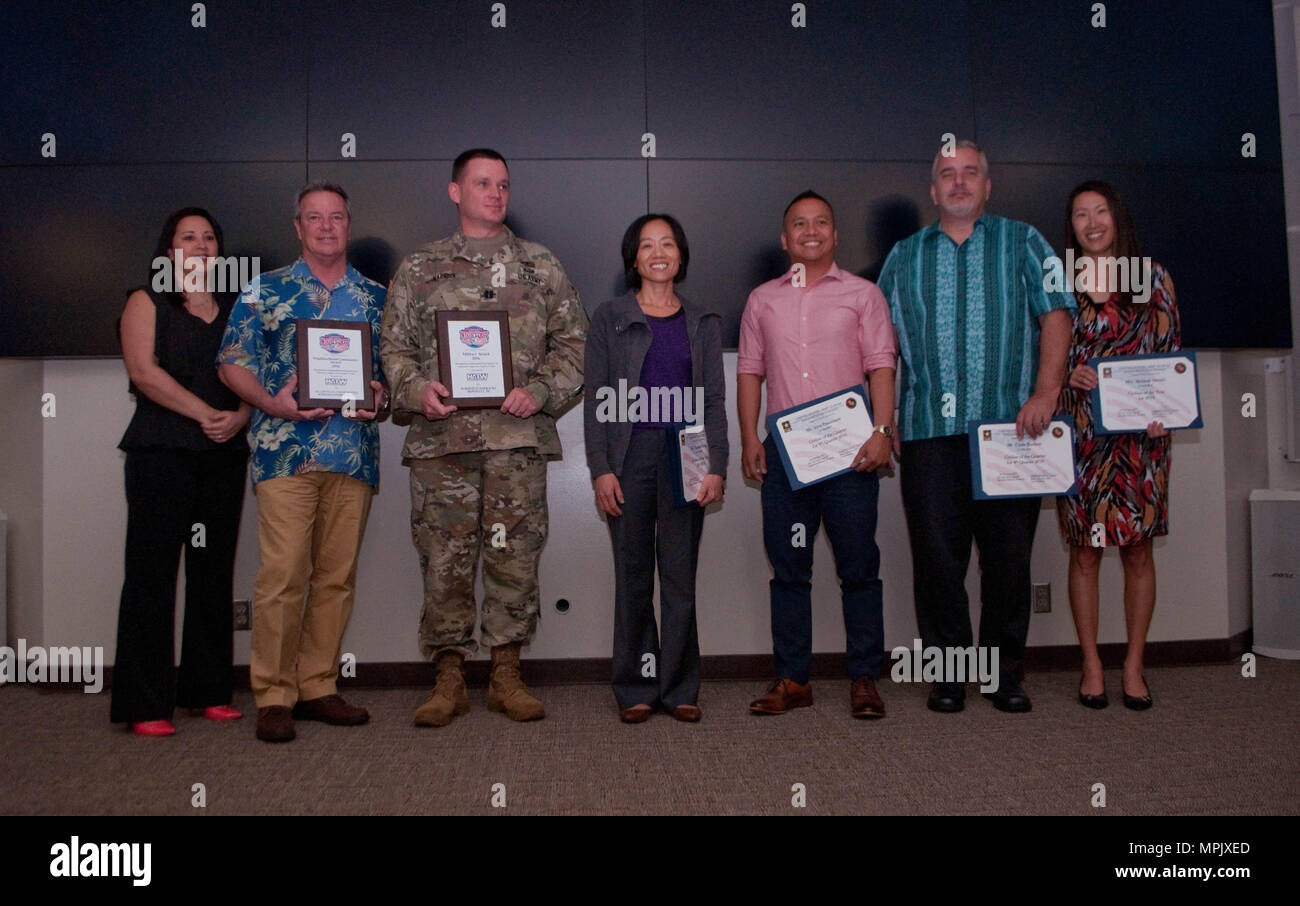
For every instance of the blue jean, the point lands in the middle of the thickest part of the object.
(846, 505)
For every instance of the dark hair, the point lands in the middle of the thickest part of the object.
(320, 185)
(1126, 241)
(164, 250)
(168, 234)
(458, 166)
(632, 241)
(804, 195)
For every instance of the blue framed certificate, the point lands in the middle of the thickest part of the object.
(1004, 466)
(688, 458)
(821, 438)
(1134, 391)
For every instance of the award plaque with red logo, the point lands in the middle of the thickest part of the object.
(474, 360)
(335, 365)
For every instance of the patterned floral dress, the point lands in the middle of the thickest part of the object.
(1123, 478)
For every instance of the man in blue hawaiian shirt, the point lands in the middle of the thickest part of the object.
(314, 470)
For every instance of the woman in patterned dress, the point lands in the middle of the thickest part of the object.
(1123, 497)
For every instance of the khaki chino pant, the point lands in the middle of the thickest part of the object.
(309, 531)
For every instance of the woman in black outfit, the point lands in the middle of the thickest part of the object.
(186, 458)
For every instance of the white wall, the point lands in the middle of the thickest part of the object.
(20, 496)
(71, 495)
(1246, 442)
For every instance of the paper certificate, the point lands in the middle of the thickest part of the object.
(820, 439)
(334, 364)
(1003, 465)
(474, 357)
(1134, 391)
(690, 459)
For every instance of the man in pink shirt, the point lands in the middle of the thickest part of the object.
(814, 331)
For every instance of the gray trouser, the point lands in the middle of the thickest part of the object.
(653, 529)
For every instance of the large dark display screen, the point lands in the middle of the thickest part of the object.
(115, 114)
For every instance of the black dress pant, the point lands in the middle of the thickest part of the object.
(652, 530)
(942, 520)
(168, 492)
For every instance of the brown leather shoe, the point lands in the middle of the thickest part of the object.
(274, 724)
(864, 700)
(331, 709)
(781, 696)
(637, 714)
(687, 713)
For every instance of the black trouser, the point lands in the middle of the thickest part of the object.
(942, 519)
(167, 493)
(653, 529)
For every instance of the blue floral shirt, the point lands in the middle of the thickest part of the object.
(261, 337)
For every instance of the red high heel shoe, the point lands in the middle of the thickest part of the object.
(153, 728)
(222, 712)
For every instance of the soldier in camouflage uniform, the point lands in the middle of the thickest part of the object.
(478, 476)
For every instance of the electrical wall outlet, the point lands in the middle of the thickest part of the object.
(243, 614)
(1042, 597)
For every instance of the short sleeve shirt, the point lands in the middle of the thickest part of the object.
(261, 336)
(810, 342)
(967, 322)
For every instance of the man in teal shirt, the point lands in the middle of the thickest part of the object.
(980, 339)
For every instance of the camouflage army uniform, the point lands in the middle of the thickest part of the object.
(478, 477)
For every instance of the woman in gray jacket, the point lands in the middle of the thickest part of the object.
(649, 351)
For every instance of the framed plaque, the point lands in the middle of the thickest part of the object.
(335, 364)
(474, 360)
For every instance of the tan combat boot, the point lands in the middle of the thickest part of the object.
(506, 690)
(450, 698)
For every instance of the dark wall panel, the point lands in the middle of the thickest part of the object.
(1231, 279)
(152, 114)
(74, 239)
(866, 81)
(428, 80)
(1166, 82)
(136, 82)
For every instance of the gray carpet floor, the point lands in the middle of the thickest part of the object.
(1214, 744)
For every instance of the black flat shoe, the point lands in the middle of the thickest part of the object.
(1134, 703)
(1096, 702)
